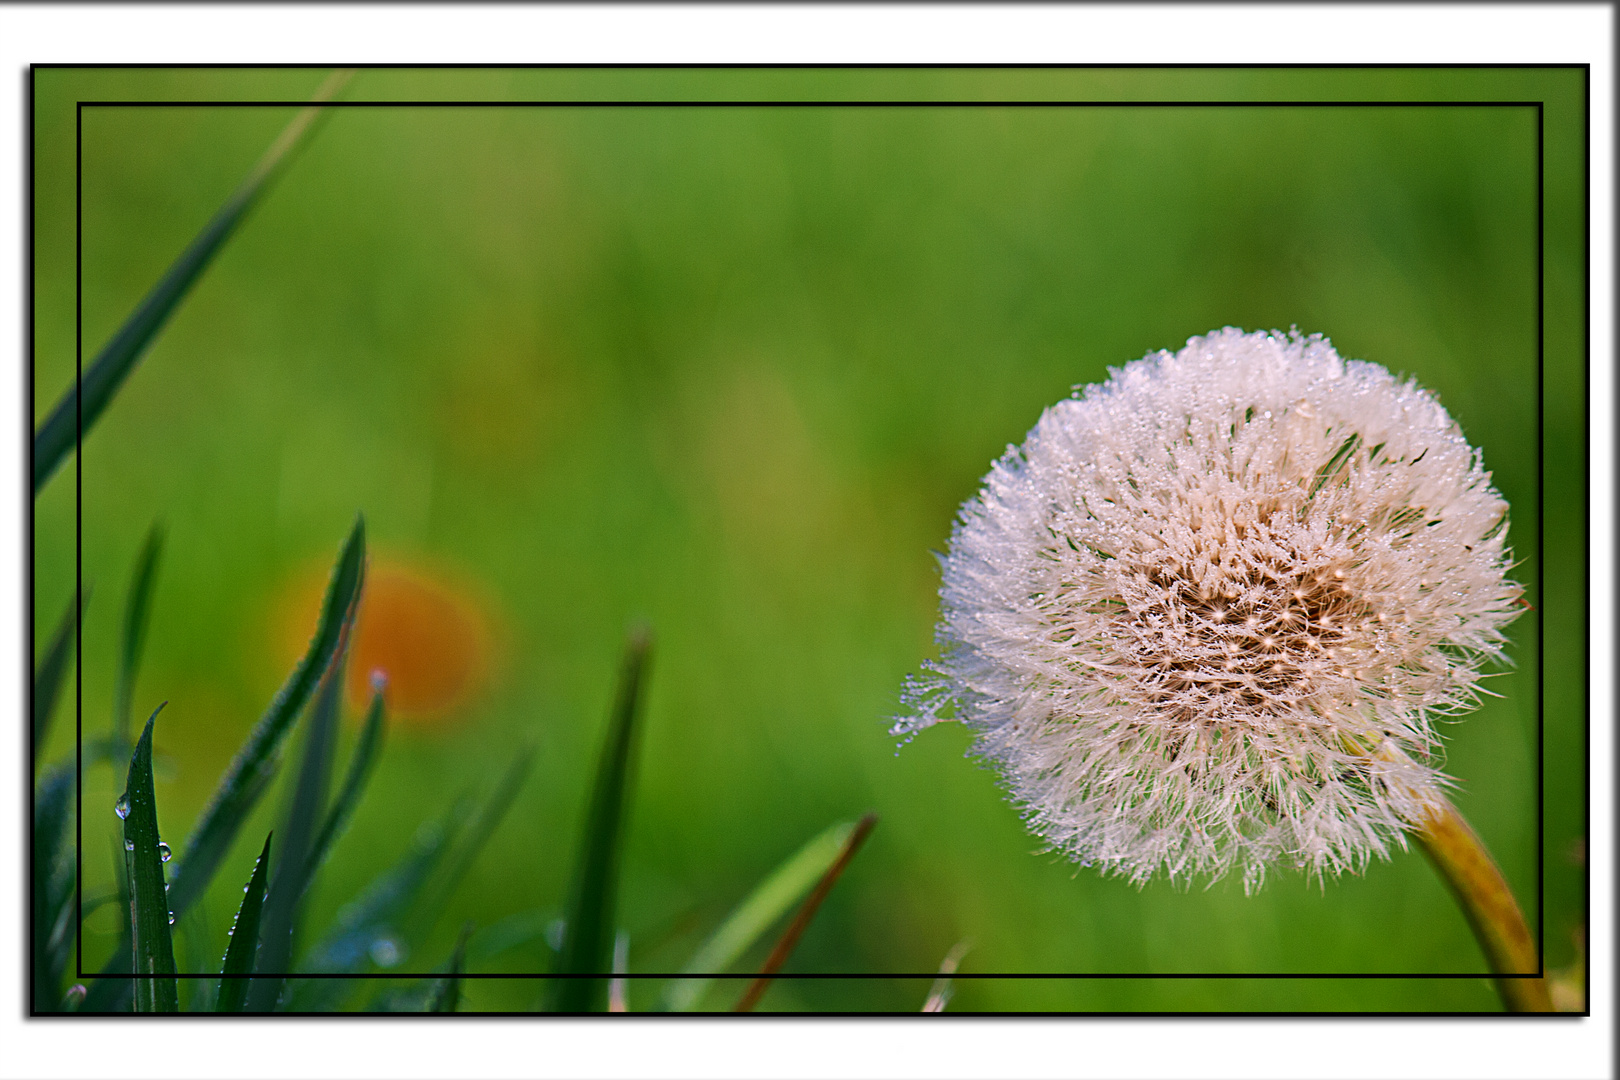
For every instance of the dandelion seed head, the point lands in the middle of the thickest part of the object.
(1206, 616)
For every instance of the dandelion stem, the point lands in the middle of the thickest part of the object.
(1468, 869)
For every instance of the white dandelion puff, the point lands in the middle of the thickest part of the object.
(1206, 615)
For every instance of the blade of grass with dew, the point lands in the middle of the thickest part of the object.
(790, 937)
(52, 670)
(77, 411)
(306, 805)
(144, 856)
(354, 783)
(365, 929)
(53, 885)
(253, 767)
(243, 950)
(488, 820)
(137, 616)
(768, 902)
(588, 934)
(250, 771)
(447, 991)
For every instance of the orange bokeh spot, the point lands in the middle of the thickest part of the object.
(430, 640)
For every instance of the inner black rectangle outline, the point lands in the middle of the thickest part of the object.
(1538, 106)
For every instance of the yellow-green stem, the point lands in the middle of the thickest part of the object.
(1460, 856)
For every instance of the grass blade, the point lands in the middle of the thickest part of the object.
(455, 869)
(588, 938)
(250, 772)
(74, 416)
(137, 612)
(149, 916)
(489, 819)
(516, 929)
(244, 947)
(790, 936)
(254, 765)
(756, 914)
(447, 991)
(53, 885)
(53, 668)
(939, 995)
(366, 930)
(106, 994)
(354, 783)
(619, 986)
(305, 807)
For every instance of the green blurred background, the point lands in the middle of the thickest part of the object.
(733, 370)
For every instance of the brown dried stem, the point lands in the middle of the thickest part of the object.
(807, 911)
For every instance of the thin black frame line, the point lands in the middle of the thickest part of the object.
(808, 66)
(909, 103)
(79, 523)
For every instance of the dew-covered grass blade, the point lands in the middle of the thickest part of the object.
(244, 944)
(144, 856)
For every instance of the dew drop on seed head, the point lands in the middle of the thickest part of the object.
(122, 806)
(163, 851)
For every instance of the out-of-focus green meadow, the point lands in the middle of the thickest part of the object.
(733, 370)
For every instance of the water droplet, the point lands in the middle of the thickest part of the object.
(231, 931)
(163, 851)
(129, 845)
(385, 952)
(171, 918)
(122, 807)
